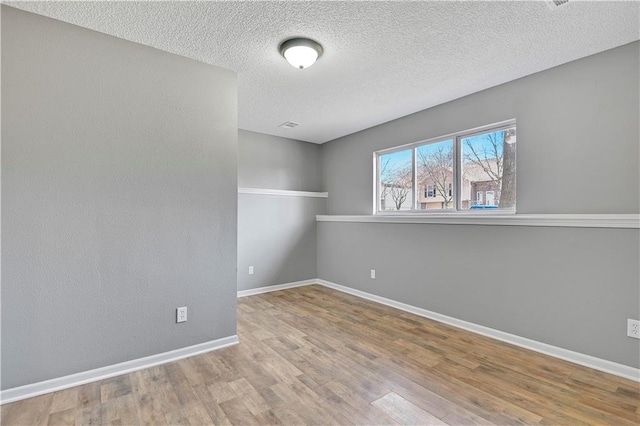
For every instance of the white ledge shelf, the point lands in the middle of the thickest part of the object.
(625, 221)
(285, 192)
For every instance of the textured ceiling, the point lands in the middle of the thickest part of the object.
(382, 60)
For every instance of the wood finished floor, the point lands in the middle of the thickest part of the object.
(312, 355)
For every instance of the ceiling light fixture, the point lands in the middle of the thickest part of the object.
(301, 52)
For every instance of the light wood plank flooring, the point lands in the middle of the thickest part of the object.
(311, 355)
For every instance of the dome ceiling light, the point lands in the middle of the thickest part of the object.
(301, 52)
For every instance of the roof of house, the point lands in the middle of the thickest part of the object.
(475, 172)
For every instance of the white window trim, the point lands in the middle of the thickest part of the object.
(457, 178)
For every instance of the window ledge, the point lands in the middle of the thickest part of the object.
(285, 192)
(626, 221)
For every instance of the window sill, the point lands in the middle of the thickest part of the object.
(284, 192)
(625, 221)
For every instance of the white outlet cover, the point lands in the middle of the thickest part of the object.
(181, 314)
(373, 274)
(633, 328)
(250, 270)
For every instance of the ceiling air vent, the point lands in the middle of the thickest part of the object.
(289, 125)
(554, 4)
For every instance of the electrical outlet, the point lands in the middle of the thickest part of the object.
(373, 274)
(250, 270)
(181, 314)
(633, 328)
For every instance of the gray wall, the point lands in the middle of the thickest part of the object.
(578, 140)
(569, 287)
(277, 234)
(272, 162)
(119, 174)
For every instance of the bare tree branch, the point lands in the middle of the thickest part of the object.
(396, 183)
(484, 160)
(435, 167)
(501, 152)
(508, 193)
(384, 169)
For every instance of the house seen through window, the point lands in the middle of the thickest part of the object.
(465, 171)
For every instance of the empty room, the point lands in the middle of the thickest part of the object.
(320, 212)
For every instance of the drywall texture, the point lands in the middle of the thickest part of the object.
(272, 162)
(119, 172)
(382, 59)
(277, 234)
(569, 287)
(578, 138)
(577, 153)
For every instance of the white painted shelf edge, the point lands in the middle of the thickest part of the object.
(285, 192)
(626, 221)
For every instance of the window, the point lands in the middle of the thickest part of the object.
(468, 170)
(396, 181)
(490, 198)
(434, 167)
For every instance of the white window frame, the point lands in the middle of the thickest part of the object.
(457, 138)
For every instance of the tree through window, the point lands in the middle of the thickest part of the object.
(465, 171)
(396, 181)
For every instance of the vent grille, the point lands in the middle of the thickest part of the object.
(289, 125)
(554, 4)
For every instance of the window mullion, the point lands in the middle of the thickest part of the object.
(376, 190)
(414, 185)
(457, 174)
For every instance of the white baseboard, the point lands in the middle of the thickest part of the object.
(47, 386)
(554, 351)
(269, 289)
(35, 389)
